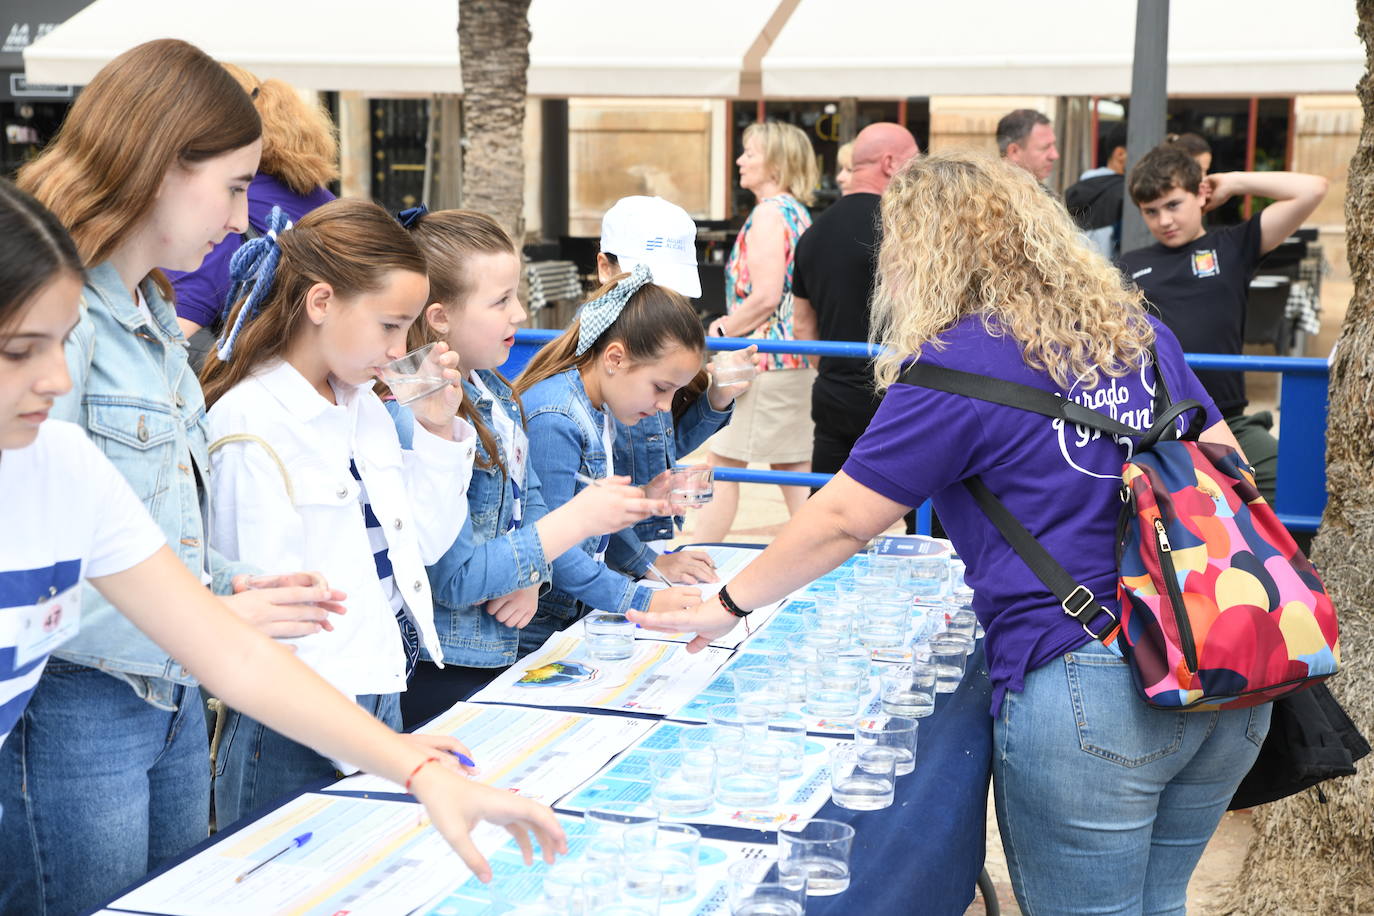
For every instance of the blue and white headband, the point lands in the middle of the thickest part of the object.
(252, 268)
(599, 314)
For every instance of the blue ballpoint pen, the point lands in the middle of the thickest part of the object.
(296, 843)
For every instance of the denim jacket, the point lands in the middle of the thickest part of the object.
(140, 403)
(565, 439)
(490, 558)
(645, 450)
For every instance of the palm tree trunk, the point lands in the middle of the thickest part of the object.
(494, 50)
(1309, 857)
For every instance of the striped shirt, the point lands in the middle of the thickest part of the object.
(67, 514)
(376, 537)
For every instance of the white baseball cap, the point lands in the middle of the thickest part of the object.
(658, 234)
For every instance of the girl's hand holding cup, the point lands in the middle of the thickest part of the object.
(611, 504)
(428, 381)
(731, 372)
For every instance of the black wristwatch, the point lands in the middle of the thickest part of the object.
(729, 603)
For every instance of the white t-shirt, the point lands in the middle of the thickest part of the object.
(68, 514)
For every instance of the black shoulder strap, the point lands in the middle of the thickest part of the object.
(1012, 394)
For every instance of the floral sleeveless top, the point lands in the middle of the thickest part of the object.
(737, 286)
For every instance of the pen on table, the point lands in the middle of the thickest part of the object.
(296, 843)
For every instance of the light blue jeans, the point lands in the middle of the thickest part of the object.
(1105, 804)
(256, 765)
(98, 788)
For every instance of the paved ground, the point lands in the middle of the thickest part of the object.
(762, 514)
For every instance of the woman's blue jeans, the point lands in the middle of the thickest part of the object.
(1106, 804)
(98, 788)
(256, 765)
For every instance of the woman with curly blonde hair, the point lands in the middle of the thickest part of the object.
(1105, 804)
(300, 155)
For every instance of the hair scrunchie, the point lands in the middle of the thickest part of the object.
(599, 314)
(252, 268)
(411, 215)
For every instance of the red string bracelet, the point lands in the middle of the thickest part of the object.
(418, 768)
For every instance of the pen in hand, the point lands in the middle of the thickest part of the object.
(296, 843)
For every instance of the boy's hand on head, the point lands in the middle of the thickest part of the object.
(1217, 188)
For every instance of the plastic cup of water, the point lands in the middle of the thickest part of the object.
(731, 723)
(788, 731)
(821, 848)
(763, 889)
(614, 818)
(610, 637)
(949, 654)
(909, 690)
(683, 781)
(692, 487)
(729, 367)
(927, 576)
(862, 778)
(897, 733)
(833, 689)
(671, 849)
(761, 683)
(748, 778)
(414, 376)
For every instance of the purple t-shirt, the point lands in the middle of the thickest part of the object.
(200, 294)
(1061, 482)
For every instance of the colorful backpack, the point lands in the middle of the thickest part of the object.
(1219, 607)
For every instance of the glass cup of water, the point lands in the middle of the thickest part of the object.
(821, 848)
(748, 778)
(833, 690)
(909, 690)
(692, 487)
(949, 654)
(414, 376)
(614, 818)
(862, 778)
(897, 733)
(671, 849)
(761, 683)
(788, 731)
(610, 637)
(683, 781)
(764, 889)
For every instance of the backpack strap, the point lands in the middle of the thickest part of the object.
(222, 441)
(1077, 600)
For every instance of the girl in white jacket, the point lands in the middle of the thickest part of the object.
(306, 464)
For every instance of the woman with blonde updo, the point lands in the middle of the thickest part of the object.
(300, 155)
(1105, 804)
(773, 418)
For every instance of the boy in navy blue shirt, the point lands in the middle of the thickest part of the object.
(1198, 280)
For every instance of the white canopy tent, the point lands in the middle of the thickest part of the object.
(880, 49)
(599, 48)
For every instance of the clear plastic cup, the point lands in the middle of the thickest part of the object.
(731, 723)
(730, 367)
(962, 621)
(909, 690)
(788, 731)
(927, 576)
(821, 848)
(897, 733)
(949, 654)
(749, 778)
(671, 849)
(610, 637)
(683, 781)
(833, 690)
(761, 683)
(762, 889)
(862, 778)
(692, 487)
(414, 376)
(614, 818)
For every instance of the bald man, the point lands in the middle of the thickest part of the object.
(832, 282)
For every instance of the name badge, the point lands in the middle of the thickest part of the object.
(47, 624)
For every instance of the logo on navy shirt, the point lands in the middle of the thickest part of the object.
(1205, 263)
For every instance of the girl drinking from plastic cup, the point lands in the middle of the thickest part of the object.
(307, 466)
(486, 586)
(623, 358)
(73, 517)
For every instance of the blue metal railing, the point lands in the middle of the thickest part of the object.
(1301, 490)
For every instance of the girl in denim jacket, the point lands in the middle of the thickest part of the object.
(623, 359)
(487, 585)
(307, 465)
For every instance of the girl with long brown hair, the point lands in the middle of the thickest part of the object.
(486, 586)
(307, 468)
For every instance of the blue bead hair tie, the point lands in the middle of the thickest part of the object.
(251, 270)
(411, 215)
(599, 314)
